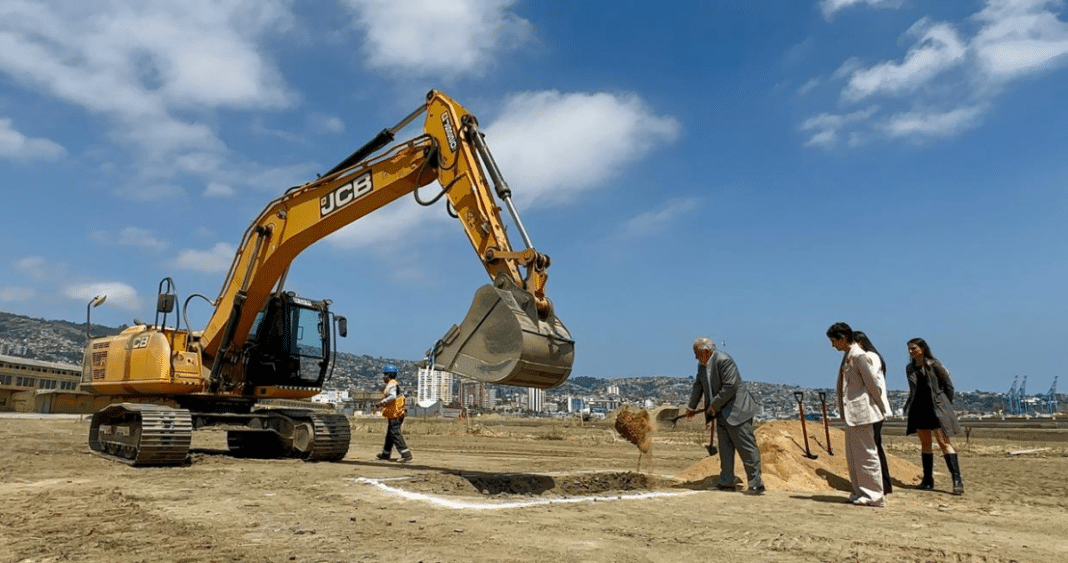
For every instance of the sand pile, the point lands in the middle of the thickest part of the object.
(785, 467)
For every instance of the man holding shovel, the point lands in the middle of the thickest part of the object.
(728, 401)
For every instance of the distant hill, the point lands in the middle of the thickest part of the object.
(62, 341)
(47, 340)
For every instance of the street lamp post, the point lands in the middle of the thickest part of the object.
(94, 302)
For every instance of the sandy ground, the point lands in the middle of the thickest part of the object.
(508, 490)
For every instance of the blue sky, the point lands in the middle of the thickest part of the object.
(748, 171)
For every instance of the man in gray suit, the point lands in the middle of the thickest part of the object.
(727, 399)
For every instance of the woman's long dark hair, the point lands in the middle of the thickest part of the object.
(927, 355)
(865, 344)
(840, 330)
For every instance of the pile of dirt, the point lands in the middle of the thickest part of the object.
(786, 467)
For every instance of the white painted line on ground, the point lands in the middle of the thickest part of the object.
(489, 505)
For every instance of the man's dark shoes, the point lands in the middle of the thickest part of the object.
(383, 457)
(755, 491)
(405, 459)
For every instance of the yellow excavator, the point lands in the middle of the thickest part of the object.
(263, 342)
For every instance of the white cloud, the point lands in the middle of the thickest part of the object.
(276, 179)
(828, 125)
(16, 146)
(215, 189)
(131, 236)
(16, 294)
(947, 83)
(831, 7)
(149, 67)
(434, 38)
(320, 123)
(35, 267)
(215, 260)
(552, 146)
(393, 224)
(652, 222)
(932, 123)
(809, 86)
(203, 232)
(1020, 37)
(119, 294)
(937, 48)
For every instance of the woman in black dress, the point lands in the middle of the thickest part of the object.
(930, 412)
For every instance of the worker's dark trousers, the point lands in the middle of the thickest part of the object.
(395, 438)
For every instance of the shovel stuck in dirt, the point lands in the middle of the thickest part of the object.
(800, 396)
(826, 424)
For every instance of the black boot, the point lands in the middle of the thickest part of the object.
(954, 470)
(928, 472)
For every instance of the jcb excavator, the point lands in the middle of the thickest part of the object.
(263, 342)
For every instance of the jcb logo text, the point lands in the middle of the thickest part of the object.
(345, 194)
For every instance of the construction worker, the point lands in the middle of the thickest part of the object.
(392, 405)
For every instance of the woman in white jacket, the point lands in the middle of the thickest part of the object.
(860, 400)
(880, 373)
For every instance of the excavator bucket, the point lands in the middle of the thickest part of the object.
(502, 341)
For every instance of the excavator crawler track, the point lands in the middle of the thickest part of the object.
(279, 433)
(332, 435)
(141, 434)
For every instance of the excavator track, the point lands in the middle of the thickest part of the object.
(141, 434)
(332, 435)
(278, 433)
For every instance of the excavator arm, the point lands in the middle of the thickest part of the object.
(511, 334)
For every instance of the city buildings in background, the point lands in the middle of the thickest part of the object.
(535, 399)
(475, 394)
(434, 386)
(42, 362)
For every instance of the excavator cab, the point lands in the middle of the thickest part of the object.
(292, 343)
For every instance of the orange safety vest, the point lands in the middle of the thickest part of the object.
(396, 408)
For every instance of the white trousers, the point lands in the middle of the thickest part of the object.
(865, 471)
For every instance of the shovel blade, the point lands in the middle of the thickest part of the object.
(503, 341)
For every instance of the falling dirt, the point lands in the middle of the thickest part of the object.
(634, 426)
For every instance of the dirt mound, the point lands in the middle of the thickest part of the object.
(785, 466)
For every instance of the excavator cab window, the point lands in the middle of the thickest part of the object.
(311, 346)
(291, 346)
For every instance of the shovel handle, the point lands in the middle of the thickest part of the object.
(676, 419)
